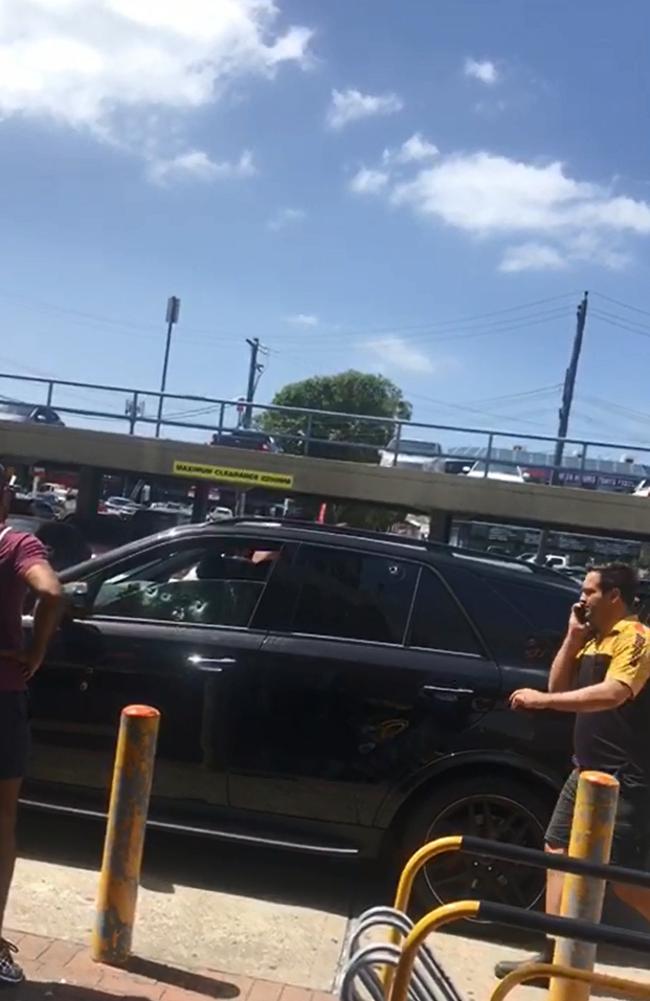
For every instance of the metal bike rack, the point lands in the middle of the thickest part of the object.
(405, 968)
(430, 981)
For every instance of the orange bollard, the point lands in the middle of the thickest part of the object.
(125, 831)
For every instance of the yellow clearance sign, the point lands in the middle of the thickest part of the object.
(229, 474)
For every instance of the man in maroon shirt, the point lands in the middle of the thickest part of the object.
(23, 567)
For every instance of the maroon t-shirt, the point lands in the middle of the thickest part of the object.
(18, 552)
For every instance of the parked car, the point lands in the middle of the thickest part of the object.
(324, 690)
(411, 454)
(30, 413)
(120, 505)
(34, 505)
(246, 438)
(497, 471)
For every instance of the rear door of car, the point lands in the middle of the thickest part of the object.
(522, 616)
(369, 677)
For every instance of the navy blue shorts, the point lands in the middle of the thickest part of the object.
(14, 735)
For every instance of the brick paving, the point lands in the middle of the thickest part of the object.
(63, 971)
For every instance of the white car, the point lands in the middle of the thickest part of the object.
(497, 471)
(411, 454)
(642, 489)
(120, 505)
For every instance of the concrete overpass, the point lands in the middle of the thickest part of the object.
(439, 494)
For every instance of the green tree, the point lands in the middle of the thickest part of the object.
(353, 393)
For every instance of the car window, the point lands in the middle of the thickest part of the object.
(437, 622)
(352, 595)
(522, 620)
(218, 584)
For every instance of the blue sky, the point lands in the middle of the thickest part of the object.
(349, 180)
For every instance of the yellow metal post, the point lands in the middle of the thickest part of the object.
(124, 843)
(582, 896)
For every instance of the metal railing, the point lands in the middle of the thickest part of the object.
(317, 432)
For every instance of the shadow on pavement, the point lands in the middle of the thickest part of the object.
(339, 886)
(185, 979)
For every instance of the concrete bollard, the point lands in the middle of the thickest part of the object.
(125, 830)
(582, 896)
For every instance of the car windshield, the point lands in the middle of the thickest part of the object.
(495, 467)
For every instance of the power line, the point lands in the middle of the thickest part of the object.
(509, 327)
(625, 305)
(622, 323)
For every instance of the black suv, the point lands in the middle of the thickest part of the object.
(321, 689)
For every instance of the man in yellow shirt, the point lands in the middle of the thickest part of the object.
(601, 674)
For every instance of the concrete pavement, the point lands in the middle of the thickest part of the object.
(276, 923)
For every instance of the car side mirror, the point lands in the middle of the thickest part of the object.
(466, 469)
(78, 599)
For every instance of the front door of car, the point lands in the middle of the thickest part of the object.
(164, 628)
(349, 697)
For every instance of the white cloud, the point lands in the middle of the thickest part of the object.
(303, 320)
(123, 70)
(485, 71)
(351, 105)
(396, 353)
(369, 182)
(486, 195)
(413, 150)
(532, 257)
(285, 219)
(196, 165)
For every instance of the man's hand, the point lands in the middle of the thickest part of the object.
(579, 631)
(28, 661)
(528, 698)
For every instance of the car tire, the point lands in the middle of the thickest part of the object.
(499, 807)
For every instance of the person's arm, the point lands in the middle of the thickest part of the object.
(628, 672)
(608, 694)
(42, 580)
(563, 668)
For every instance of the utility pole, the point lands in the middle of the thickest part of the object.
(173, 309)
(255, 370)
(565, 411)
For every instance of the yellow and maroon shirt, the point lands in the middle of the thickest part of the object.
(617, 740)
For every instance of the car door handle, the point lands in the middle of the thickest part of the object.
(212, 665)
(446, 693)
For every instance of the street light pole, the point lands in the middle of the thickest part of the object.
(173, 309)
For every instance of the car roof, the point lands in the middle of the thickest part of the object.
(349, 538)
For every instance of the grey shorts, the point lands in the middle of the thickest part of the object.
(631, 843)
(14, 735)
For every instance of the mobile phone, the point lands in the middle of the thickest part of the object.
(580, 611)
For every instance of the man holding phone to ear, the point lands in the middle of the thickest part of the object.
(601, 673)
(23, 567)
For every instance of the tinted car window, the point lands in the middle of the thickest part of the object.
(438, 623)
(352, 595)
(522, 620)
(217, 585)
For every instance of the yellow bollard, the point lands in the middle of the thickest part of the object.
(582, 896)
(125, 830)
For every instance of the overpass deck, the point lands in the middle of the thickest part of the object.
(566, 508)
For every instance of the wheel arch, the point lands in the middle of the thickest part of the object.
(398, 806)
